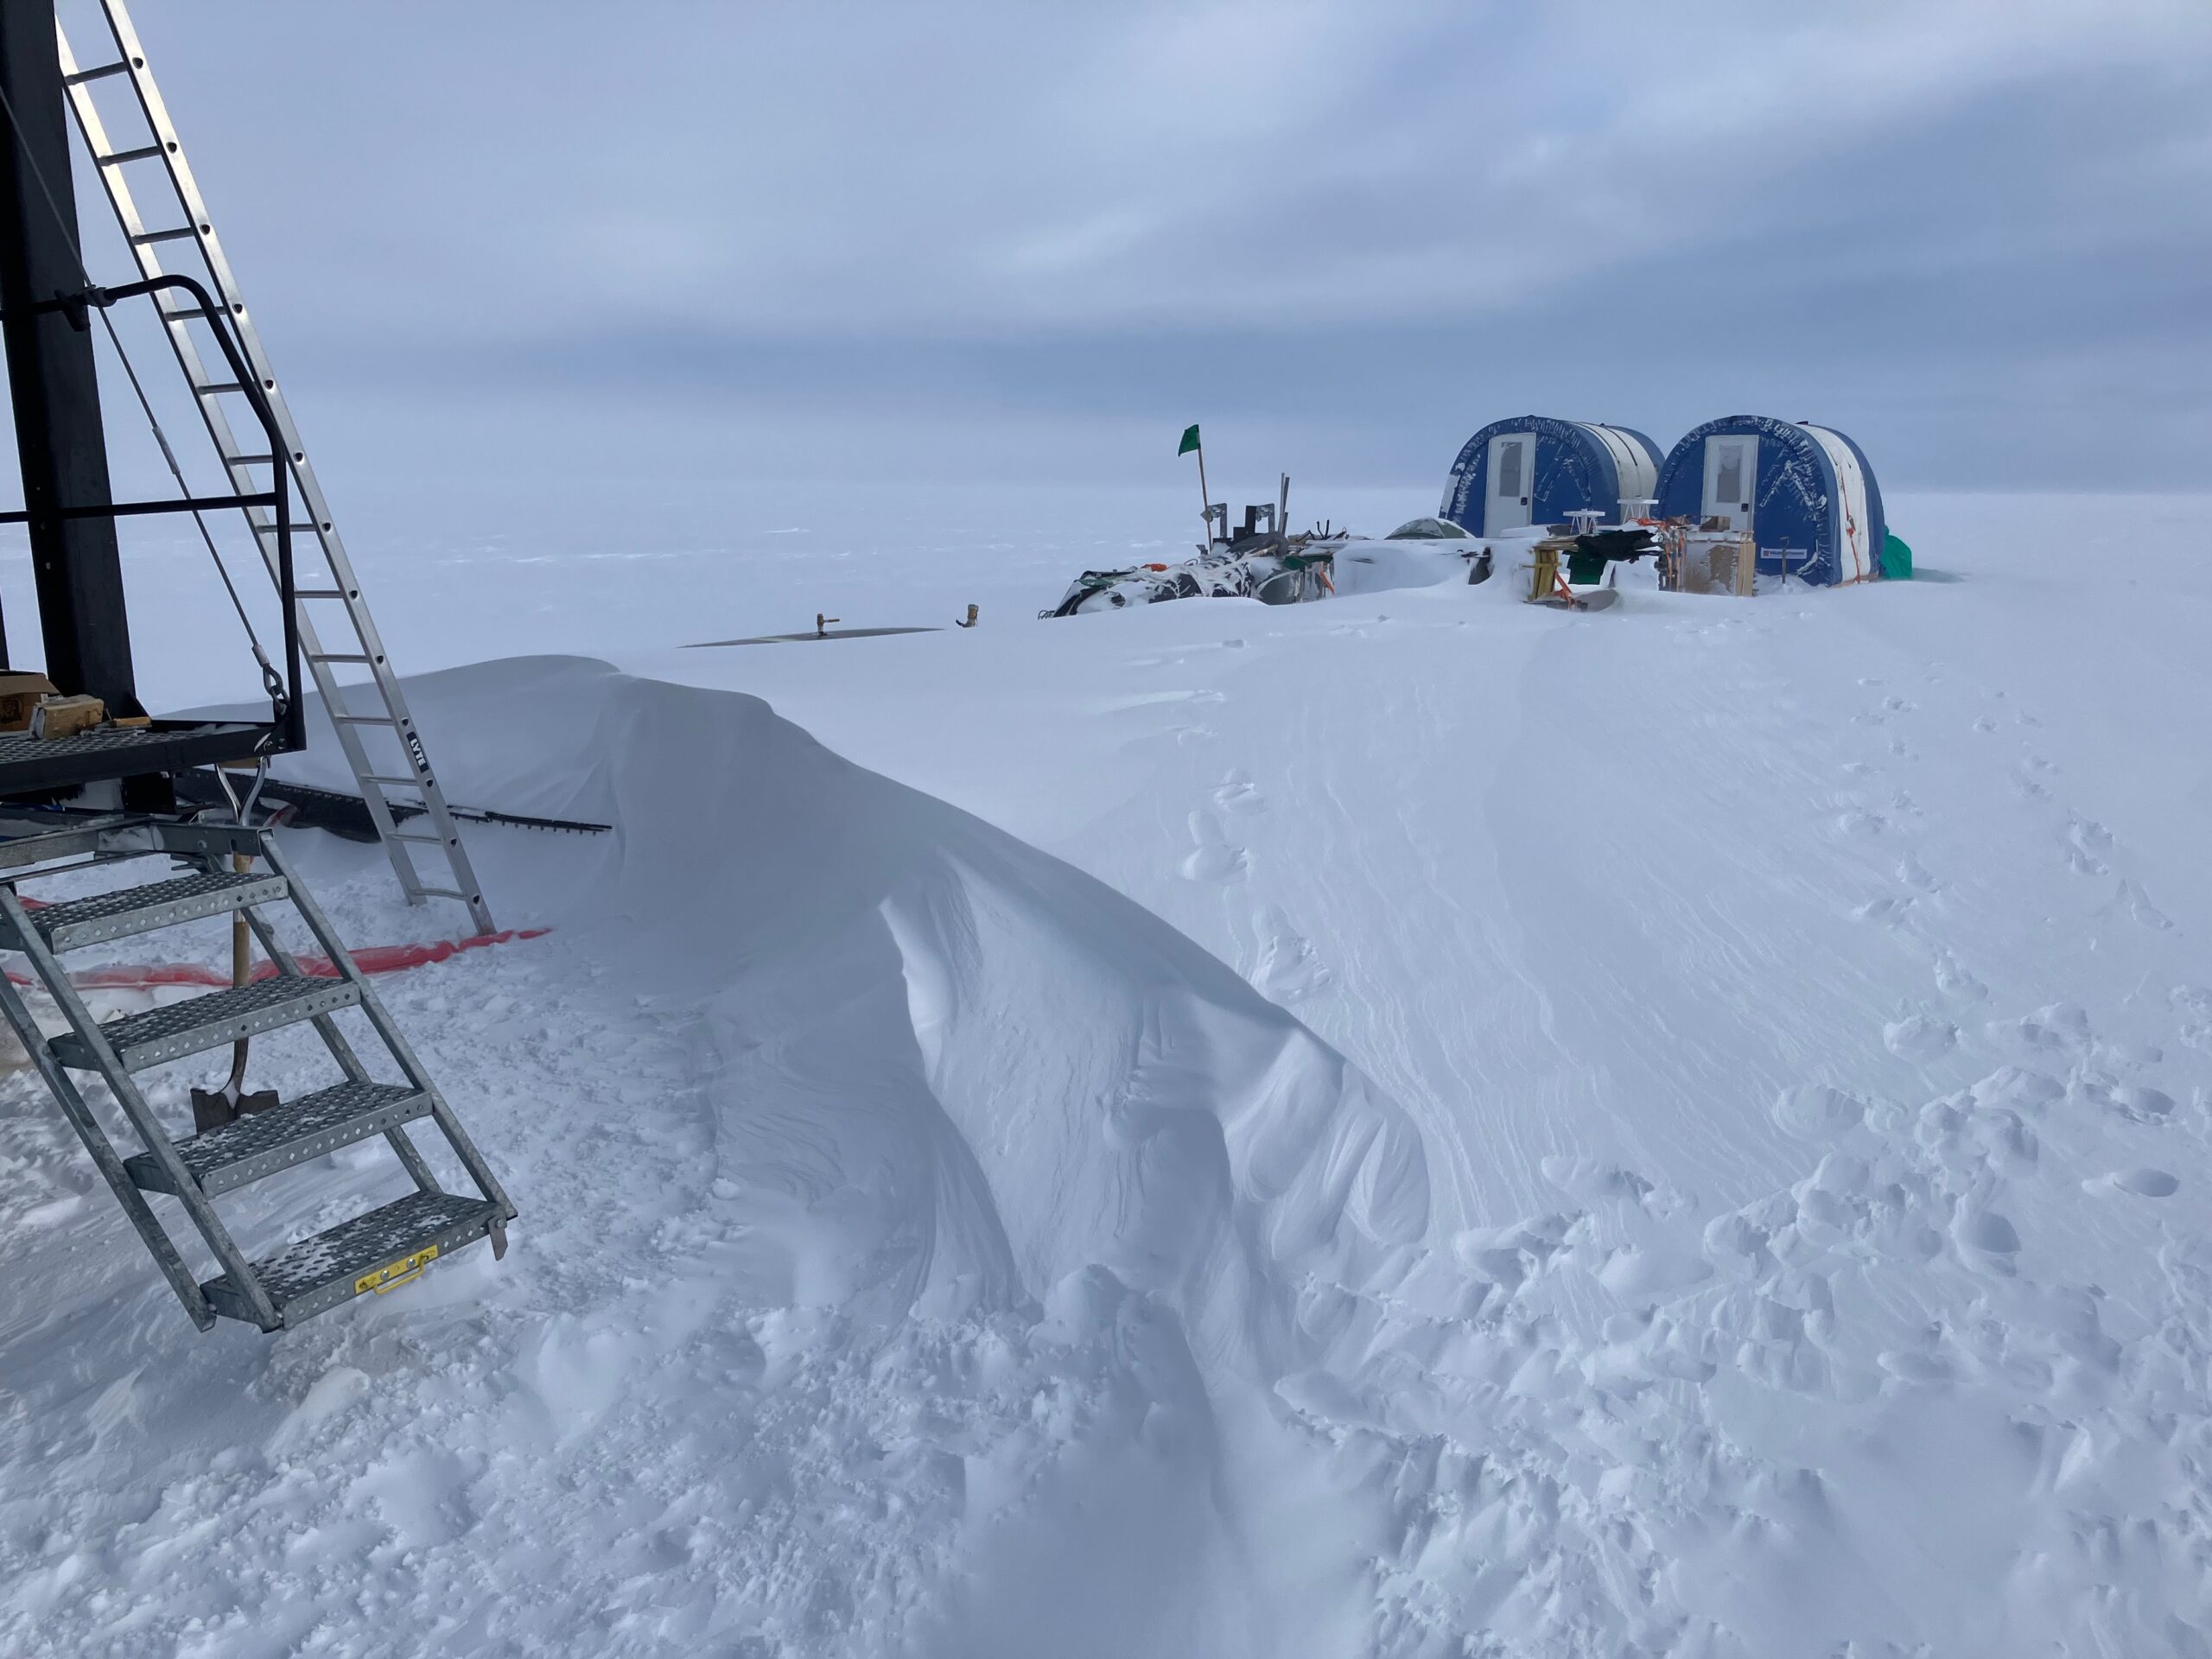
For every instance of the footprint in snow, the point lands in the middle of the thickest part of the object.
(1987, 1239)
(1816, 1112)
(2140, 908)
(1984, 723)
(2058, 1026)
(1860, 823)
(1212, 858)
(1288, 970)
(1919, 1038)
(2194, 1004)
(1913, 874)
(2136, 1101)
(1235, 793)
(2084, 841)
(1954, 981)
(2141, 1183)
(1923, 1370)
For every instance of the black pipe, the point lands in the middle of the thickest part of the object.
(52, 380)
(293, 714)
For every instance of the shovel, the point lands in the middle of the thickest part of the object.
(213, 1108)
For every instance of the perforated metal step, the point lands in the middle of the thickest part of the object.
(117, 915)
(291, 1133)
(376, 1252)
(204, 1022)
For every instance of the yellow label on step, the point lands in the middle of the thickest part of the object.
(393, 1274)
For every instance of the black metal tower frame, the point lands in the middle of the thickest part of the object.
(46, 302)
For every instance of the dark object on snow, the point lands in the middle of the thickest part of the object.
(971, 622)
(347, 816)
(1587, 559)
(1275, 572)
(791, 639)
(1896, 559)
(1478, 567)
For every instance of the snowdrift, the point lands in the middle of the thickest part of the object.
(1001, 1072)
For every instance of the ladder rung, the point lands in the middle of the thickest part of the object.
(446, 893)
(117, 158)
(247, 460)
(118, 67)
(391, 782)
(410, 835)
(182, 234)
(317, 592)
(185, 313)
(364, 720)
(339, 657)
(300, 527)
(214, 386)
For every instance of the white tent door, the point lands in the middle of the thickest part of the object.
(1512, 487)
(1731, 480)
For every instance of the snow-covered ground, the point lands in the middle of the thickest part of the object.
(1413, 1125)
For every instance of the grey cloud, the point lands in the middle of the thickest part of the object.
(1967, 233)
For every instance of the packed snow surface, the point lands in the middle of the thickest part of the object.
(1411, 1125)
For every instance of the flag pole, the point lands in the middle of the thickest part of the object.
(1206, 499)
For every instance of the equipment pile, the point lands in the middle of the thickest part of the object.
(1258, 561)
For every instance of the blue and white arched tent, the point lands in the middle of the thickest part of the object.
(1536, 470)
(1804, 493)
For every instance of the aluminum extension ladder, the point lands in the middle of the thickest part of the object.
(374, 1252)
(332, 596)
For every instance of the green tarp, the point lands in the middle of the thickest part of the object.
(1897, 560)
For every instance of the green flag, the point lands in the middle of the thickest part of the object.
(1190, 442)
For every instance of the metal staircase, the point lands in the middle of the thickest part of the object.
(377, 733)
(373, 1252)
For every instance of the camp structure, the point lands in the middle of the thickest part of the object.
(1535, 470)
(1804, 494)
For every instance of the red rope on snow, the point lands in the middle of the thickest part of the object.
(371, 959)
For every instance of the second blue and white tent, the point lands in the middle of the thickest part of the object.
(1805, 494)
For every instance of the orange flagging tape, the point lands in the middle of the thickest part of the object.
(371, 959)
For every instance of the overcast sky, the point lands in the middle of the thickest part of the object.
(946, 238)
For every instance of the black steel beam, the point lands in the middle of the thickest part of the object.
(52, 380)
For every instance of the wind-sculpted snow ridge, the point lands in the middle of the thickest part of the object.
(993, 1070)
(934, 1179)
